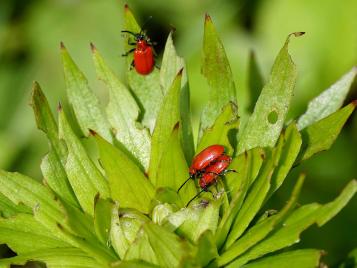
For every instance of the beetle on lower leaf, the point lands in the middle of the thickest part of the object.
(207, 166)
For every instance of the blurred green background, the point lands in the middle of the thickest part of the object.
(30, 32)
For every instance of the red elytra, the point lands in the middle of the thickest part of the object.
(215, 170)
(205, 158)
(208, 165)
(143, 58)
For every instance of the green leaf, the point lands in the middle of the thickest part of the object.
(171, 64)
(260, 230)
(208, 220)
(292, 143)
(248, 165)
(297, 222)
(124, 230)
(84, 103)
(186, 219)
(123, 113)
(117, 237)
(85, 178)
(92, 247)
(51, 166)
(102, 218)
(8, 208)
(48, 211)
(172, 170)
(169, 248)
(207, 250)
(57, 257)
(167, 118)
(167, 195)
(160, 212)
(216, 69)
(127, 183)
(146, 88)
(224, 126)
(24, 190)
(302, 258)
(328, 211)
(264, 126)
(51, 213)
(322, 134)
(141, 250)
(79, 223)
(255, 81)
(134, 264)
(329, 101)
(255, 197)
(23, 234)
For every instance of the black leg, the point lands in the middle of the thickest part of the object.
(193, 198)
(228, 170)
(189, 178)
(131, 43)
(127, 53)
(132, 65)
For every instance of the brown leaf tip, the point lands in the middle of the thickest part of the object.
(177, 125)
(92, 132)
(173, 28)
(96, 198)
(180, 72)
(207, 17)
(126, 7)
(297, 34)
(62, 45)
(92, 47)
(354, 103)
(59, 107)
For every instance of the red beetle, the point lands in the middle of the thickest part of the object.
(212, 172)
(203, 160)
(143, 60)
(218, 168)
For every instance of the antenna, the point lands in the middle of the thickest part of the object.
(193, 198)
(184, 184)
(144, 24)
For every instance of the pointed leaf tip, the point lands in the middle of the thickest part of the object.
(207, 17)
(354, 103)
(92, 47)
(177, 126)
(59, 107)
(180, 72)
(92, 132)
(296, 34)
(62, 45)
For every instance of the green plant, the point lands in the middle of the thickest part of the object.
(125, 212)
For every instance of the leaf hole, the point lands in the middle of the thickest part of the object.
(272, 117)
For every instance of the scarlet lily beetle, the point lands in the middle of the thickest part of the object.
(143, 60)
(208, 165)
(202, 160)
(218, 168)
(212, 172)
